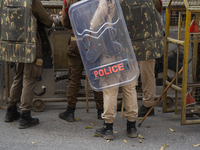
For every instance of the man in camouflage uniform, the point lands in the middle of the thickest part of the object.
(147, 66)
(27, 75)
(148, 78)
(75, 71)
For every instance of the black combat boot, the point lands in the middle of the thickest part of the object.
(26, 120)
(143, 110)
(68, 115)
(11, 114)
(131, 129)
(106, 132)
(99, 112)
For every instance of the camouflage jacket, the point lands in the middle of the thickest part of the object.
(145, 29)
(18, 29)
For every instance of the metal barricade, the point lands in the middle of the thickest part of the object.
(179, 14)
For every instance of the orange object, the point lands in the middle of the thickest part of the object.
(193, 27)
(190, 100)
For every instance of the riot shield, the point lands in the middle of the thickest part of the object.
(104, 43)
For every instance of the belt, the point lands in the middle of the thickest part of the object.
(73, 39)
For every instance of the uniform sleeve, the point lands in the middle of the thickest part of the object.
(65, 18)
(40, 13)
(157, 5)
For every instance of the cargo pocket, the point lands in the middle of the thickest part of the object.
(32, 70)
(36, 72)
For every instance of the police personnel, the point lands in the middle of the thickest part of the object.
(146, 35)
(26, 76)
(75, 71)
(148, 78)
(147, 73)
(106, 12)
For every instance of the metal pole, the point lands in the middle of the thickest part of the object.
(7, 80)
(185, 66)
(2, 82)
(177, 61)
(86, 80)
(165, 65)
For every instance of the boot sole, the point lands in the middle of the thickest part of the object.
(133, 135)
(11, 120)
(67, 119)
(24, 127)
(107, 137)
(70, 120)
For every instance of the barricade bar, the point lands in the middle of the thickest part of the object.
(173, 86)
(175, 41)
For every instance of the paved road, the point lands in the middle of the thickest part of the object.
(55, 134)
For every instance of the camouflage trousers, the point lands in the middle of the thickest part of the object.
(22, 88)
(74, 76)
(148, 81)
(130, 103)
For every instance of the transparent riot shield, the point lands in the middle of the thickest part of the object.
(104, 43)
